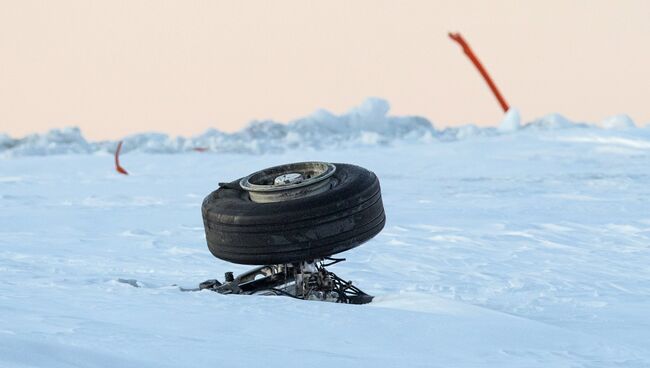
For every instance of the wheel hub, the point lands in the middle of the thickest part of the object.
(287, 182)
(286, 179)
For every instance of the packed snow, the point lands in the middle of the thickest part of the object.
(524, 245)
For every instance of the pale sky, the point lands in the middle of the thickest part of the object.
(119, 67)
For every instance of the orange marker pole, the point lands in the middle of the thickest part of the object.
(119, 168)
(477, 63)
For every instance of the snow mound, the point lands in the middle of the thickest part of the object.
(5, 142)
(511, 121)
(621, 121)
(56, 141)
(553, 122)
(368, 124)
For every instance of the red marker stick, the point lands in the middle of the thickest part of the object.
(477, 63)
(119, 168)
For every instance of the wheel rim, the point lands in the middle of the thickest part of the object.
(290, 181)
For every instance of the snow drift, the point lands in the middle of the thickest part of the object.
(368, 124)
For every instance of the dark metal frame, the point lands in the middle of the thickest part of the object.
(306, 280)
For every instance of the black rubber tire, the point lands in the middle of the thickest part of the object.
(241, 231)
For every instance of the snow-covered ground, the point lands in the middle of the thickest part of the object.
(512, 247)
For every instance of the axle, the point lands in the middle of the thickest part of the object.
(307, 280)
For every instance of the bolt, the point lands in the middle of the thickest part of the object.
(229, 277)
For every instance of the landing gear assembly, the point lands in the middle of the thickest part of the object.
(291, 219)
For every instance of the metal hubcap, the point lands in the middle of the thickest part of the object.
(286, 179)
(287, 182)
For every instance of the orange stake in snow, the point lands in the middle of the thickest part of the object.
(470, 54)
(119, 168)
